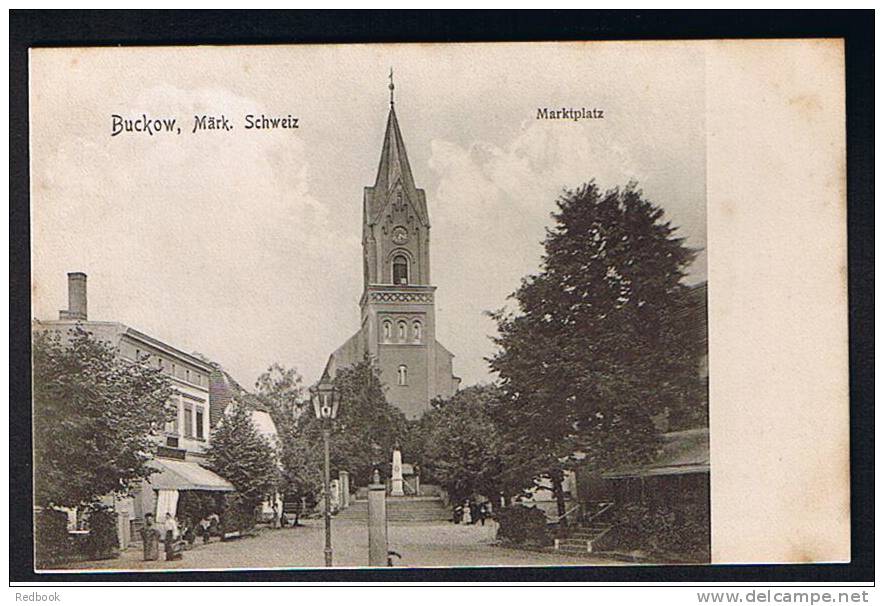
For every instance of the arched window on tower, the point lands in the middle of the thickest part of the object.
(388, 331)
(416, 331)
(402, 378)
(400, 269)
(403, 331)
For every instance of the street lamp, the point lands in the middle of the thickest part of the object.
(326, 398)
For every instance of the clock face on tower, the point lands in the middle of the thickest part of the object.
(400, 235)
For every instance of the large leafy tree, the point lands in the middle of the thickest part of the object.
(281, 389)
(94, 418)
(598, 345)
(367, 427)
(239, 453)
(462, 444)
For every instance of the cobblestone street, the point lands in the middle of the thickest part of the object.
(430, 544)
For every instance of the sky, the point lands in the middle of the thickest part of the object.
(245, 245)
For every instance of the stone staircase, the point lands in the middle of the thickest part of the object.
(589, 535)
(401, 509)
(583, 539)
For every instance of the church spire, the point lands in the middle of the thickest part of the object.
(394, 179)
(394, 166)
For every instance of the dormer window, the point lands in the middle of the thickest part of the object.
(400, 269)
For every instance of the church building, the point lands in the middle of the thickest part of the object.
(398, 319)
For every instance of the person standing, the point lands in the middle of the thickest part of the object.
(150, 539)
(467, 514)
(204, 529)
(171, 528)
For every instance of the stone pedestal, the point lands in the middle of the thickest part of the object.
(396, 477)
(344, 483)
(377, 524)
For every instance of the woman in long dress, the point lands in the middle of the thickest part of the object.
(150, 539)
(171, 528)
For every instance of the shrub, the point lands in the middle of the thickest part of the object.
(52, 543)
(523, 525)
(679, 529)
(102, 542)
(238, 515)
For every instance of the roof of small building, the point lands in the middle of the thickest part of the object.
(683, 452)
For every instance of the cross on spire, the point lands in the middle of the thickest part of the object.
(391, 87)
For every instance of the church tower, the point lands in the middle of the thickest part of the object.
(397, 305)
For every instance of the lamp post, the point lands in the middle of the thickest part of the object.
(326, 398)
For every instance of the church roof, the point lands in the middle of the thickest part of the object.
(393, 169)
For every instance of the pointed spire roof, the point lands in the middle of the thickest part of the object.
(394, 170)
(394, 165)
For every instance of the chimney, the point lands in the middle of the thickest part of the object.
(76, 298)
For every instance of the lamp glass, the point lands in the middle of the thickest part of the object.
(325, 399)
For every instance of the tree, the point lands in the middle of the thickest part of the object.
(95, 416)
(239, 453)
(597, 348)
(367, 427)
(462, 445)
(281, 389)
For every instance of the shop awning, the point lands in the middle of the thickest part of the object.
(185, 475)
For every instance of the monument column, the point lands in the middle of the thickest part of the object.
(396, 478)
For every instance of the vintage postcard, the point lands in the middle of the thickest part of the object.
(438, 305)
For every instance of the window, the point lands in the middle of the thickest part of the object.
(388, 330)
(403, 375)
(174, 370)
(403, 330)
(416, 331)
(400, 269)
(199, 422)
(172, 426)
(188, 420)
(187, 375)
(137, 355)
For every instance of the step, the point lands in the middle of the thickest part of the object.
(588, 533)
(573, 549)
(402, 509)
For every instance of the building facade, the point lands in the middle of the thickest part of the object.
(398, 317)
(182, 445)
(187, 436)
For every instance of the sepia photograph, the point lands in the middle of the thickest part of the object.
(316, 297)
(249, 352)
